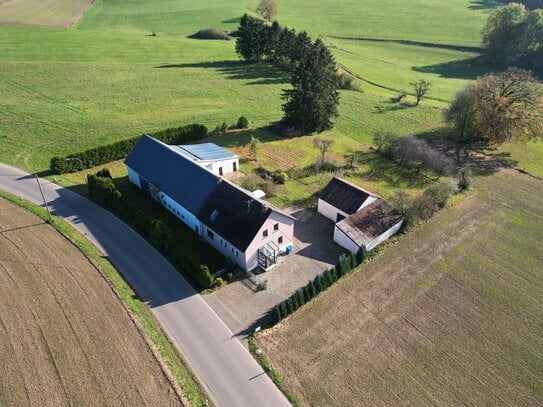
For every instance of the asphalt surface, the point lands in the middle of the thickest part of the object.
(223, 365)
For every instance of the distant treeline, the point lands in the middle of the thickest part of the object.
(513, 36)
(258, 41)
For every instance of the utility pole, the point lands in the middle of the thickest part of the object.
(43, 197)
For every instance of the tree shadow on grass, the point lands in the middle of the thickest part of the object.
(479, 157)
(260, 73)
(469, 68)
(484, 4)
(391, 107)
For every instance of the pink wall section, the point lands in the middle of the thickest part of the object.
(286, 230)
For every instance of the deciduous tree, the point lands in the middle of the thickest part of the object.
(267, 9)
(421, 88)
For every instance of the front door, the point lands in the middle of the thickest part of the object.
(234, 166)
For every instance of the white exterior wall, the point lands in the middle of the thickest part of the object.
(180, 212)
(285, 230)
(227, 165)
(368, 200)
(329, 211)
(343, 240)
(133, 176)
(224, 247)
(392, 231)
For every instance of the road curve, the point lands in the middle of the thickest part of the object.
(223, 365)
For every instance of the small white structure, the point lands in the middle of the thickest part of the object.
(340, 199)
(216, 159)
(361, 218)
(368, 227)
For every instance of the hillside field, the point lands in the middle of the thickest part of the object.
(108, 78)
(65, 338)
(449, 315)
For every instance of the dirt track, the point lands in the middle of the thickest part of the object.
(65, 338)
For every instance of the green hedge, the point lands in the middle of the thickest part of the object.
(322, 282)
(120, 149)
(104, 192)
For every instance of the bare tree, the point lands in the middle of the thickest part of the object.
(267, 9)
(323, 144)
(415, 152)
(421, 87)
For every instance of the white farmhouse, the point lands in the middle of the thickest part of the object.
(186, 181)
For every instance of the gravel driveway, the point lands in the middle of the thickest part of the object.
(243, 309)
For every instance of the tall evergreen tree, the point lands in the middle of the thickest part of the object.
(312, 102)
(252, 42)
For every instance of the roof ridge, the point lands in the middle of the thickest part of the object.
(357, 186)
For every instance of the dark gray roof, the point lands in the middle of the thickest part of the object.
(344, 195)
(234, 214)
(183, 180)
(369, 222)
(204, 152)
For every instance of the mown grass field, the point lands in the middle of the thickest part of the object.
(455, 22)
(65, 337)
(67, 90)
(449, 315)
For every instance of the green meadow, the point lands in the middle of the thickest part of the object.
(64, 90)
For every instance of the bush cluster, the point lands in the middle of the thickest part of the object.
(322, 282)
(277, 176)
(120, 149)
(103, 191)
(426, 204)
(210, 34)
(413, 152)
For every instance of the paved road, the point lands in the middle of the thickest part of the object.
(227, 370)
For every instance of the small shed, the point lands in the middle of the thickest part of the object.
(211, 156)
(368, 227)
(340, 199)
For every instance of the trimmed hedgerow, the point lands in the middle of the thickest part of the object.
(120, 149)
(103, 191)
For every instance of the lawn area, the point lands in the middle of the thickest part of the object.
(451, 314)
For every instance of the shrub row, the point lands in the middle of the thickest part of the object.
(322, 282)
(120, 149)
(103, 191)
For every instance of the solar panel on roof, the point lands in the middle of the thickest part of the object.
(207, 151)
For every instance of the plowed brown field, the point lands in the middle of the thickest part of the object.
(65, 338)
(43, 13)
(452, 314)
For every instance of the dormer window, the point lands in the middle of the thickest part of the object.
(214, 215)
